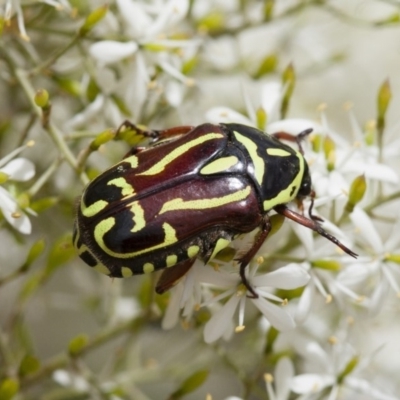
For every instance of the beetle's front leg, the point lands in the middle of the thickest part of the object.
(247, 257)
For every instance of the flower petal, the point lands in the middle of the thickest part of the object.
(293, 125)
(19, 169)
(226, 114)
(305, 303)
(311, 383)
(9, 206)
(111, 51)
(366, 229)
(284, 373)
(288, 277)
(276, 315)
(135, 16)
(221, 320)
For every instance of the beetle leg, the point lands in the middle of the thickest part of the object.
(155, 134)
(171, 275)
(312, 216)
(245, 259)
(290, 138)
(175, 131)
(312, 224)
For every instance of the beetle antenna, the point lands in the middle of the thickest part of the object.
(300, 137)
(291, 138)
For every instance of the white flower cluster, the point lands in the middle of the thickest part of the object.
(328, 323)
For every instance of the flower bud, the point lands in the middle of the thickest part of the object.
(356, 194)
(42, 98)
(93, 19)
(102, 138)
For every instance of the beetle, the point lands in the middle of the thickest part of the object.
(188, 195)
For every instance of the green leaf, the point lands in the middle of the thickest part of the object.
(190, 384)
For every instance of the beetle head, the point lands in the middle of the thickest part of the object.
(305, 187)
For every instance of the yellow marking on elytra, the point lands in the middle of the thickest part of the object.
(251, 147)
(82, 249)
(221, 244)
(219, 165)
(102, 269)
(148, 268)
(132, 160)
(278, 152)
(160, 166)
(121, 182)
(285, 196)
(192, 251)
(94, 208)
(171, 260)
(126, 272)
(107, 224)
(203, 204)
(138, 216)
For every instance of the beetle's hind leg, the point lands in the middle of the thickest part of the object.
(170, 276)
(245, 259)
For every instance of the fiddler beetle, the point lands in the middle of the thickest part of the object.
(188, 195)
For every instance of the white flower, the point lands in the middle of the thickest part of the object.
(14, 7)
(284, 372)
(336, 369)
(146, 49)
(346, 161)
(336, 283)
(17, 169)
(383, 262)
(221, 322)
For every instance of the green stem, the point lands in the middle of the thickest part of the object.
(44, 177)
(64, 359)
(51, 129)
(382, 200)
(49, 62)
